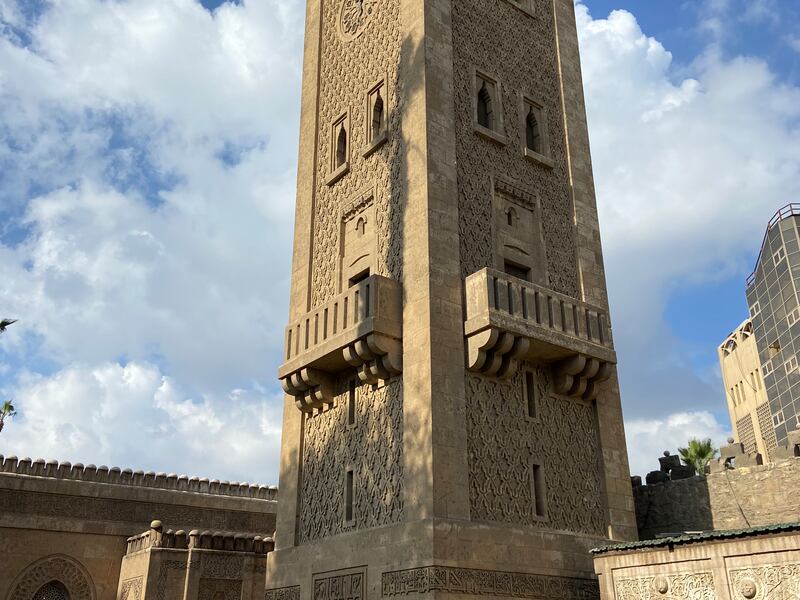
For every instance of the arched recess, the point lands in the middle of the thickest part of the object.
(57, 567)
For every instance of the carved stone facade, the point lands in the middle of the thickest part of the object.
(372, 446)
(475, 582)
(68, 572)
(435, 161)
(563, 439)
(759, 563)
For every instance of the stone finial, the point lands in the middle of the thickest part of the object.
(731, 440)
(666, 453)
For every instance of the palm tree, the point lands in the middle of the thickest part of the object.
(698, 454)
(7, 410)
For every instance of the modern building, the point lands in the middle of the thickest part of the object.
(748, 405)
(765, 409)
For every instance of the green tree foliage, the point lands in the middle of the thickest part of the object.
(698, 454)
(7, 410)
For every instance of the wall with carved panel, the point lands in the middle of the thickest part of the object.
(503, 442)
(485, 33)
(348, 68)
(372, 448)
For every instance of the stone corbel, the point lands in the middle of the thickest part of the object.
(377, 357)
(311, 388)
(579, 375)
(495, 352)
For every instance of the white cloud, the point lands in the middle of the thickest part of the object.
(110, 413)
(688, 171)
(649, 438)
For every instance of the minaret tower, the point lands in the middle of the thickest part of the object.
(452, 424)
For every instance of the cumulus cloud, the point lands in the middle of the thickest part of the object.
(649, 438)
(147, 160)
(147, 198)
(110, 413)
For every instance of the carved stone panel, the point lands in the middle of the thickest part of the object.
(359, 226)
(682, 586)
(132, 589)
(67, 571)
(475, 582)
(519, 246)
(373, 448)
(767, 582)
(219, 589)
(342, 585)
(286, 593)
(503, 442)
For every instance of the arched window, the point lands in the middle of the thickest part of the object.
(377, 116)
(533, 136)
(52, 591)
(341, 146)
(361, 226)
(485, 109)
(511, 216)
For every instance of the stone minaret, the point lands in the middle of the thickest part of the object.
(452, 421)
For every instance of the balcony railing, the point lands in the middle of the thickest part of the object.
(508, 320)
(360, 328)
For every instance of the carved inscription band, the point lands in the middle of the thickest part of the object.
(487, 583)
(287, 593)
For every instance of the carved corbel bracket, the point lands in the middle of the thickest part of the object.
(376, 356)
(579, 375)
(311, 388)
(495, 352)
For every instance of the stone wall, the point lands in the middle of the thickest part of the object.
(71, 523)
(759, 563)
(729, 499)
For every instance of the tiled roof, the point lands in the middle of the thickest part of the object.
(693, 538)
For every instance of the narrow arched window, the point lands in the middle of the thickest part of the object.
(361, 226)
(485, 109)
(52, 591)
(511, 217)
(341, 146)
(533, 135)
(377, 116)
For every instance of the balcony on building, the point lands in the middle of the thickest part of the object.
(358, 331)
(509, 320)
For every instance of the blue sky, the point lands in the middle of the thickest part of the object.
(147, 166)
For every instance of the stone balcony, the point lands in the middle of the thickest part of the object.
(360, 328)
(509, 320)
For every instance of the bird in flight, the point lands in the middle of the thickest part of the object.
(5, 323)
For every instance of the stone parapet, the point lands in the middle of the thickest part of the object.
(126, 477)
(360, 328)
(158, 537)
(509, 320)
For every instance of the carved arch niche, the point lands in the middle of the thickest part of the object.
(517, 228)
(57, 569)
(358, 240)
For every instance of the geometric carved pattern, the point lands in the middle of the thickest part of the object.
(222, 567)
(691, 586)
(503, 442)
(373, 450)
(768, 582)
(164, 576)
(348, 585)
(219, 589)
(488, 32)
(747, 434)
(62, 569)
(52, 591)
(346, 72)
(287, 593)
(486, 583)
(132, 589)
(767, 428)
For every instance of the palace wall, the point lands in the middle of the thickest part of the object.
(71, 523)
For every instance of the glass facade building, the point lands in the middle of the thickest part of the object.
(772, 297)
